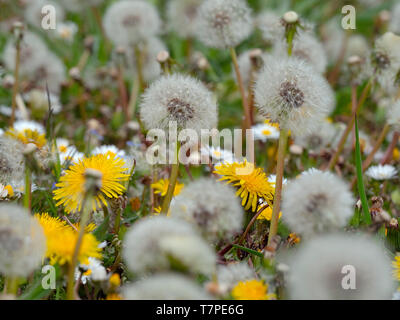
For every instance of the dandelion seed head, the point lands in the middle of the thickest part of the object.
(393, 115)
(292, 93)
(181, 16)
(224, 23)
(394, 24)
(211, 207)
(33, 12)
(271, 26)
(12, 164)
(22, 242)
(229, 275)
(178, 98)
(317, 202)
(158, 243)
(318, 139)
(316, 269)
(165, 286)
(128, 23)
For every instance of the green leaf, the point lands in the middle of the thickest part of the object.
(360, 182)
(251, 251)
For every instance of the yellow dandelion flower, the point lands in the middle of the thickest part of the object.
(61, 240)
(10, 191)
(396, 154)
(70, 190)
(27, 136)
(161, 187)
(396, 267)
(252, 290)
(252, 183)
(157, 211)
(272, 124)
(115, 280)
(266, 214)
(113, 296)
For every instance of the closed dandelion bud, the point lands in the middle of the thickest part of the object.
(181, 16)
(181, 99)
(162, 243)
(165, 286)
(292, 93)
(340, 267)
(128, 23)
(22, 242)
(317, 202)
(224, 23)
(211, 207)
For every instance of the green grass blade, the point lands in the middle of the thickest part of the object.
(251, 251)
(360, 182)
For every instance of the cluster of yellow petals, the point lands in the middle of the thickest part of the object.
(28, 136)
(161, 187)
(61, 239)
(252, 290)
(252, 183)
(70, 190)
(396, 267)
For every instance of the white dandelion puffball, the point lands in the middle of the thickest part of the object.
(33, 11)
(31, 57)
(322, 269)
(292, 93)
(12, 163)
(157, 243)
(182, 99)
(150, 48)
(318, 139)
(128, 23)
(224, 23)
(271, 26)
(386, 59)
(317, 202)
(381, 172)
(333, 38)
(229, 275)
(22, 242)
(165, 286)
(181, 16)
(393, 115)
(305, 47)
(394, 24)
(210, 206)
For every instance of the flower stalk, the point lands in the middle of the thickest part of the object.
(172, 182)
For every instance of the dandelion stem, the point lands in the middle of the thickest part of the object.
(389, 152)
(11, 285)
(139, 67)
(370, 157)
(172, 182)
(71, 271)
(16, 80)
(243, 237)
(27, 195)
(246, 109)
(350, 123)
(283, 137)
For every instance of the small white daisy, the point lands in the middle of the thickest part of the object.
(109, 148)
(66, 31)
(218, 154)
(95, 271)
(23, 125)
(264, 132)
(380, 172)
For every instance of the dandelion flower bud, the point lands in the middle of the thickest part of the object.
(292, 93)
(22, 242)
(393, 115)
(162, 243)
(128, 23)
(319, 268)
(165, 286)
(317, 202)
(181, 99)
(212, 207)
(224, 23)
(181, 16)
(291, 17)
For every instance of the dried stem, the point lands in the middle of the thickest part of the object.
(389, 152)
(246, 109)
(283, 137)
